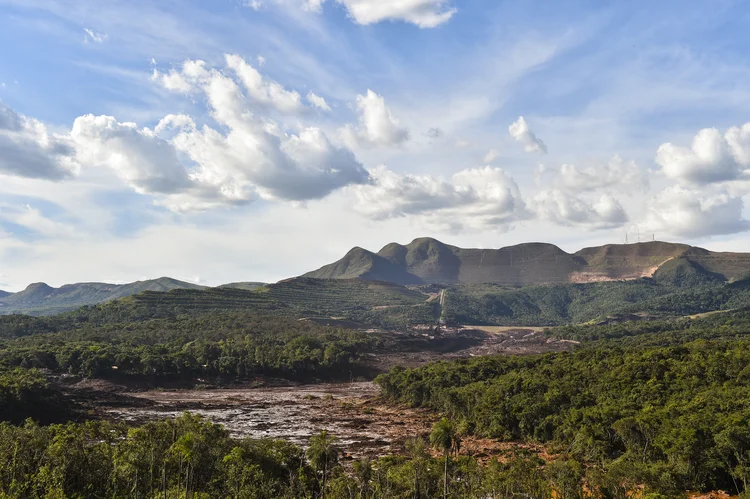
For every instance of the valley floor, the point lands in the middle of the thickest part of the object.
(351, 411)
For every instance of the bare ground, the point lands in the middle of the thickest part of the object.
(352, 411)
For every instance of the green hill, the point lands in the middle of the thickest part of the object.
(429, 261)
(364, 302)
(42, 299)
(683, 272)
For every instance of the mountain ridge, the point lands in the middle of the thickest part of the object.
(429, 261)
(42, 298)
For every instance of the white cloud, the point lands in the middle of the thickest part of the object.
(263, 90)
(254, 156)
(478, 198)
(614, 174)
(318, 102)
(27, 149)
(682, 212)
(173, 81)
(94, 36)
(423, 13)
(377, 126)
(712, 157)
(187, 167)
(565, 209)
(521, 132)
(138, 156)
(264, 93)
(491, 156)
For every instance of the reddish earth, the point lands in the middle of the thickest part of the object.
(351, 411)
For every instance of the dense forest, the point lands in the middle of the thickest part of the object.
(189, 457)
(555, 305)
(673, 418)
(221, 346)
(661, 404)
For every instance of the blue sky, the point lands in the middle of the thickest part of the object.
(254, 140)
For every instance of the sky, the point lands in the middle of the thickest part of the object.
(255, 140)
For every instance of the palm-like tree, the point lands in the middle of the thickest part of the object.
(323, 455)
(444, 438)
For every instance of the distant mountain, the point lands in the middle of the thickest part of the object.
(3, 294)
(42, 299)
(427, 260)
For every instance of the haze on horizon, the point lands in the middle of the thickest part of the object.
(257, 140)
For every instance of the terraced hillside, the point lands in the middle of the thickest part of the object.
(427, 260)
(365, 302)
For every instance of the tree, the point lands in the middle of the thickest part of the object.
(323, 455)
(444, 438)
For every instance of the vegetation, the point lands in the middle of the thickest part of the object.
(553, 305)
(374, 303)
(661, 404)
(222, 346)
(673, 418)
(189, 457)
(26, 394)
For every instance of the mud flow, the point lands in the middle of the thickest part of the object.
(349, 411)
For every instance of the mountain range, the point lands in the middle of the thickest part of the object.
(429, 261)
(44, 299)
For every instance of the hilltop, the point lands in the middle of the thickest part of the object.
(42, 299)
(429, 261)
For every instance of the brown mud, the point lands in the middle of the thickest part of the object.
(364, 424)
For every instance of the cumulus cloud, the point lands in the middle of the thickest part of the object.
(27, 149)
(263, 90)
(423, 13)
(318, 102)
(682, 212)
(711, 158)
(521, 132)
(615, 173)
(478, 198)
(260, 91)
(565, 209)
(377, 126)
(138, 156)
(251, 155)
